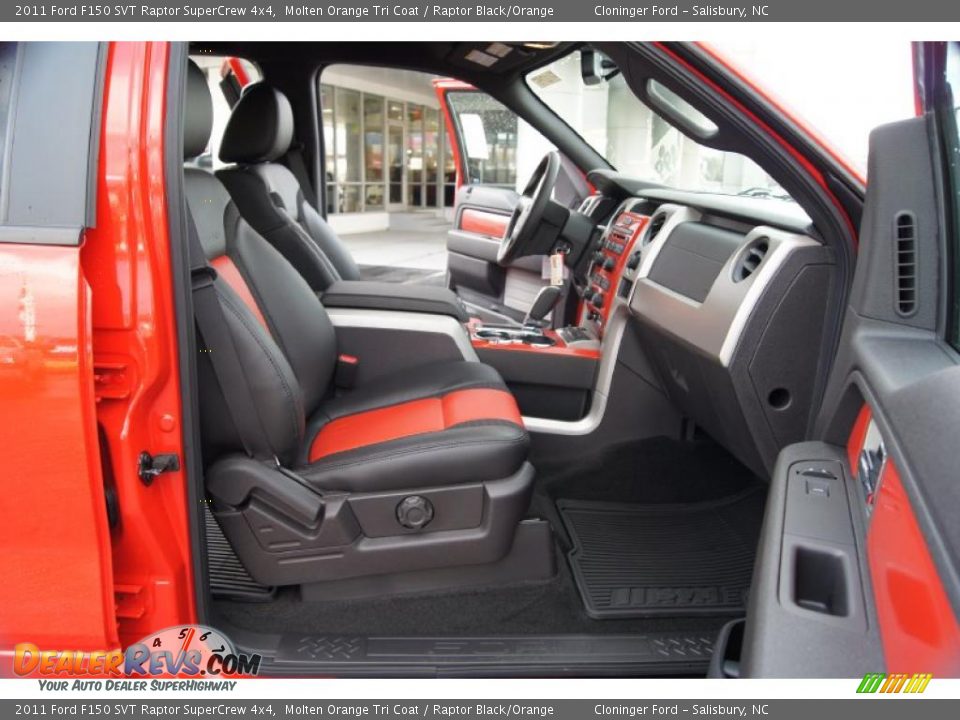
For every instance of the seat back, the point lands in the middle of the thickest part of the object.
(270, 198)
(284, 337)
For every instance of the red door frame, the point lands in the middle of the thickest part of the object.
(99, 347)
(441, 86)
(135, 352)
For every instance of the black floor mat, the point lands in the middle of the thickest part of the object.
(658, 559)
(524, 609)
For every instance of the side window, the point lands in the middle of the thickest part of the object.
(498, 148)
(41, 84)
(950, 120)
(225, 76)
(8, 65)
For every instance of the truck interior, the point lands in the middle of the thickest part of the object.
(648, 466)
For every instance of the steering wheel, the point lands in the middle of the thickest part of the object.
(528, 213)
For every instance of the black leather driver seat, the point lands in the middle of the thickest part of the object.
(414, 471)
(258, 133)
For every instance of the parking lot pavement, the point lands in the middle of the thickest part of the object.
(414, 249)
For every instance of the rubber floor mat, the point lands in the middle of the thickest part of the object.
(646, 560)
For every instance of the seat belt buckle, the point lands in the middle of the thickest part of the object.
(345, 376)
(202, 277)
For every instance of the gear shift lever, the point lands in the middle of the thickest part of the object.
(545, 301)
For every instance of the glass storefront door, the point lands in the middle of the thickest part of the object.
(396, 166)
(381, 152)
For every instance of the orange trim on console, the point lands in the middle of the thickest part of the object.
(482, 222)
(226, 269)
(626, 230)
(416, 417)
(560, 348)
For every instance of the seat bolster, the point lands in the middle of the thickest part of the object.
(271, 381)
(475, 452)
(268, 196)
(331, 245)
(423, 381)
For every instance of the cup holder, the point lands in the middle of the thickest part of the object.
(494, 334)
(540, 340)
(510, 335)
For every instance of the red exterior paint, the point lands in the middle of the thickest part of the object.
(917, 79)
(227, 270)
(54, 534)
(441, 86)
(917, 625)
(93, 342)
(483, 222)
(416, 417)
(239, 71)
(127, 260)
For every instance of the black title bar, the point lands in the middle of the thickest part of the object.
(486, 11)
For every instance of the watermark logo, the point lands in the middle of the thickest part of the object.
(190, 651)
(894, 683)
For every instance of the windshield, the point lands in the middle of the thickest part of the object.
(637, 141)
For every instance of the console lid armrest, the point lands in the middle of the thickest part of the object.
(372, 295)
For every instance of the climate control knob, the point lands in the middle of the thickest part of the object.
(608, 264)
(597, 300)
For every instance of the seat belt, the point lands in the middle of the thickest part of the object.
(212, 324)
(224, 358)
(296, 165)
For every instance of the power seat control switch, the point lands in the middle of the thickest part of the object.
(414, 512)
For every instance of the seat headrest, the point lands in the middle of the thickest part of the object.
(260, 128)
(198, 115)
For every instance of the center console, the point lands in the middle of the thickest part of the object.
(555, 373)
(613, 270)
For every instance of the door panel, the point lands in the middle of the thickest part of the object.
(483, 222)
(884, 592)
(472, 245)
(486, 139)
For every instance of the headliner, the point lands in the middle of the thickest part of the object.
(446, 59)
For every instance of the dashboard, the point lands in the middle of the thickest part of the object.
(729, 298)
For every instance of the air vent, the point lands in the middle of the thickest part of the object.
(905, 227)
(750, 259)
(655, 226)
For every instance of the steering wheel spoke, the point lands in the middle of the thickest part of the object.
(530, 209)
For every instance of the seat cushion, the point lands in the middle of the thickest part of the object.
(440, 424)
